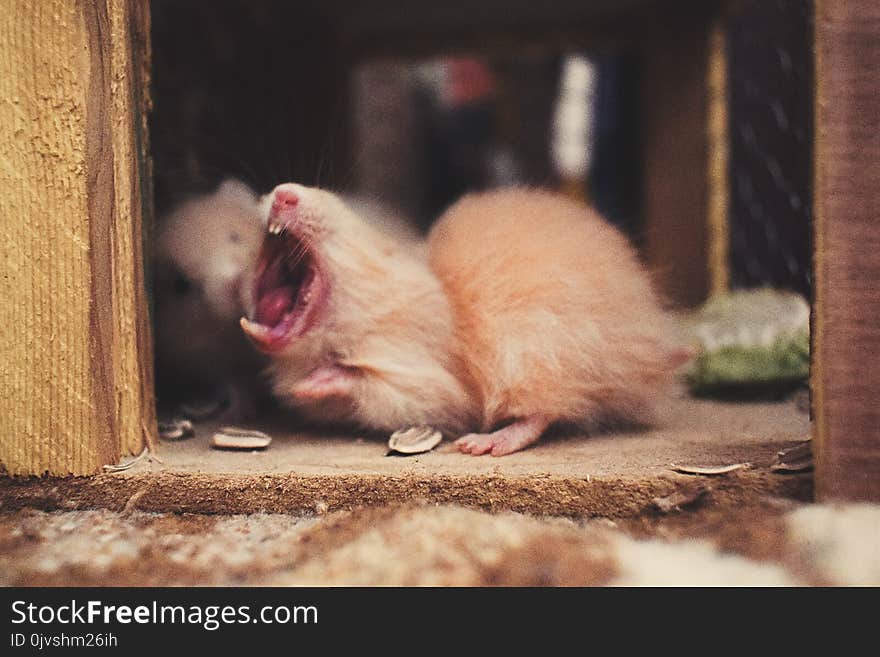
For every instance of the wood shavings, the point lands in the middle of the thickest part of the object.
(131, 504)
(682, 498)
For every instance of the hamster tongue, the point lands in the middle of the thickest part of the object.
(274, 304)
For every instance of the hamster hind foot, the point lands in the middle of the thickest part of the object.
(512, 438)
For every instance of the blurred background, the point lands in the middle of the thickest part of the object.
(417, 104)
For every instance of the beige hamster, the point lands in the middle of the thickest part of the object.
(524, 310)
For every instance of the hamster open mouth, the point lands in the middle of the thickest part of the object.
(289, 291)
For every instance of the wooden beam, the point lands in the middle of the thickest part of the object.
(718, 181)
(75, 359)
(371, 28)
(846, 314)
(677, 158)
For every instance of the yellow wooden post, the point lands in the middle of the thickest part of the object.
(718, 178)
(76, 387)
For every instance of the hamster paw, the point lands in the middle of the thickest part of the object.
(512, 438)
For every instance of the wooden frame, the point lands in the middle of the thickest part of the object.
(75, 358)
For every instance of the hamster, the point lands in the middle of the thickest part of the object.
(203, 250)
(525, 310)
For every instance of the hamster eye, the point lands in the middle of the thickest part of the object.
(182, 285)
(235, 238)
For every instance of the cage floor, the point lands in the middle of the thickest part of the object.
(610, 475)
(331, 510)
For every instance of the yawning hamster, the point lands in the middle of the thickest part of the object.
(528, 310)
(203, 249)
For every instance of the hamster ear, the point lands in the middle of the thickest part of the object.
(232, 188)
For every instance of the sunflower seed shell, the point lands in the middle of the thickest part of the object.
(243, 439)
(709, 470)
(414, 440)
(176, 429)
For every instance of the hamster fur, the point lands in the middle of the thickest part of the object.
(556, 319)
(204, 247)
(528, 310)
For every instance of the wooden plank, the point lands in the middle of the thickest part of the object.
(676, 160)
(296, 492)
(425, 28)
(718, 182)
(75, 363)
(846, 320)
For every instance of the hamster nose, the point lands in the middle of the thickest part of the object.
(285, 199)
(283, 209)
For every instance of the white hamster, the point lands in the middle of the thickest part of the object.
(203, 248)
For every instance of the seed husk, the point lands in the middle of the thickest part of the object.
(804, 465)
(803, 449)
(709, 470)
(798, 458)
(176, 428)
(119, 467)
(414, 440)
(241, 439)
(682, 498)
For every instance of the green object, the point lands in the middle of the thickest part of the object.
(752, 344)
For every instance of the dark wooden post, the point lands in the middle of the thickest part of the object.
(684, 129)
(846, 320)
